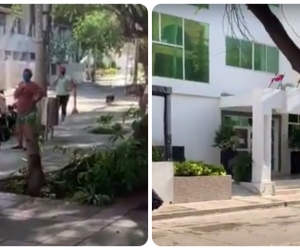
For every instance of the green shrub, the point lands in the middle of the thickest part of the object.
(113, 65)
(157, 154)
(242, 167)
(110, 71)
(225, 137)
(96, 177)
(193, 168)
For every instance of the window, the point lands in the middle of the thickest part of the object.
(274, 5)
(3, 21)
(155, 26)
(201, 6)
(249, 55)
(238, 53)
(32, 56)
(180, 48)
(171, 30)
(294, 122)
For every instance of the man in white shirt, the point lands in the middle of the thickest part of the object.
(3, 106)
(63, 86)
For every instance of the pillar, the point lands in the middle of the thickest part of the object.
(261, 146)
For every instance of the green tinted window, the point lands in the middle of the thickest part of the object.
(196, 51)
(272, 60)
(155, 26)
(232, 52)
(246, 55)
(167, 61)
(260, 57)
(239, 53)
(201, 6)
(171, 29)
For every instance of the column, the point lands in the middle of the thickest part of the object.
(261, 145)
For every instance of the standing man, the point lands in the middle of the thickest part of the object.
(3, 107)
(27, 95)
(63, 86)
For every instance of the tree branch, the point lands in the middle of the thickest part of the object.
(277, 33)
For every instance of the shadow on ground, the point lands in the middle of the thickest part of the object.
(31, 222)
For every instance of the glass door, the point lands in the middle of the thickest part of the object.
(244, 139)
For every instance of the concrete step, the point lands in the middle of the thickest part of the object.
(287, 191)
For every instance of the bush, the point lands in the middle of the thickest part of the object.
(110, 71)
(242, 167)
(225, 137)
(96, 177)
(157, 154)
(193, 168)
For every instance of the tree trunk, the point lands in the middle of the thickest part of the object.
(36, 178)
(277, 33)
(31, 131)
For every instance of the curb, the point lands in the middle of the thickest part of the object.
(167, 216)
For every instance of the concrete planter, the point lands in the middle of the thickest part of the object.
(162, 180)
(202, 188)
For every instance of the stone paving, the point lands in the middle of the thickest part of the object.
(31, 222)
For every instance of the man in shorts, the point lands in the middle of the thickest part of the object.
(27, 95)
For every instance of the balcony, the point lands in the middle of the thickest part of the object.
(270, 99)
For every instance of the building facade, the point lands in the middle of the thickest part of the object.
(218, 71)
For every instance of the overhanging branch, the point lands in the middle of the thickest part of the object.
(277, 33)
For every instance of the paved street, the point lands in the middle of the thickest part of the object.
(265, 227)
(30, 222)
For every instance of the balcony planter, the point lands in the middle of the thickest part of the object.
(197, 181)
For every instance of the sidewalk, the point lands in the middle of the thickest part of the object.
(237, 203)
(33, 221)
(73, 133)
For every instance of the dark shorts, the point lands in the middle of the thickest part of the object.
(27, 119)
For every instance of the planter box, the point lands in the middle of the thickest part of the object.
(202, 188)
(162, 180)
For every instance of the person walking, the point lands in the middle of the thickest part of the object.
(63, 86)
(27, 95)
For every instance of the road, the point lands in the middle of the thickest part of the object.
(267, 227)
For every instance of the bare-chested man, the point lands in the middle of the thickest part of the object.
(27, 94)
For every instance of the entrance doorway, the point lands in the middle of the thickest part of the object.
(243, 128)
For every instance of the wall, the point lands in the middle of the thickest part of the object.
(194, 122)
(226, 78)
(11, 72)
(195, 105)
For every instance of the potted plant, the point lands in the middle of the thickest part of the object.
(226, 140)
(242, 167)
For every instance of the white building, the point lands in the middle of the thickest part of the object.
(184, 36)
